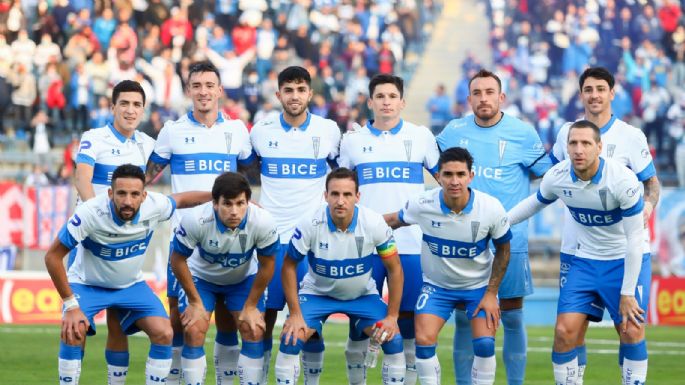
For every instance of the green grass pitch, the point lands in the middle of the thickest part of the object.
(29, 356)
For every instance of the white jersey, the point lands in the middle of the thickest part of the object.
(113, 250)
(340, 262)
(197, 154)
(225, 256)
(597, 206)
(294, 164)
(455, 253)
(389, 165)
(106, 149)
(620, 142)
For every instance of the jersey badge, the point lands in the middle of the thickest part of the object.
(407, 149)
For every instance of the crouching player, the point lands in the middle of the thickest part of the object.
(225, 234)
(458, 267)
(114, 230)
(338, 242)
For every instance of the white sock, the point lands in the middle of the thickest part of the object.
(266, 366)
(634, 372)
(566, 373)
(225, 363)
(250, 370)
(287, 368)
(354, 354)
(156, 371)
(174, 377)
(394, 369)
(69, 371)
(483, 371)
(194, 370)
(410, 357)
(581, 373)
(116, 375)
(428, 370)
(312, 366)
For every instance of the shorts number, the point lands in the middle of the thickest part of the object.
(421, 301)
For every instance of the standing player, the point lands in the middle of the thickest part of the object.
(621, 142)
(114, 230)
(458, 266)
(389, 155)
(199, 146)
(506, 152)
(294, 150)
(608, 269)
(101, 151)
(339, 240)
(226, 233)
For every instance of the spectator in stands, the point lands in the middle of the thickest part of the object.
(81, 101)
(24, 94)
(439, 106)
(104, 27)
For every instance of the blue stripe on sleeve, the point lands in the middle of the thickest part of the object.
(270, 250)
(66, 238)
(294, 254)
(553, 158)
(543, 199)
(647, 173)
(433, 170)
(636, 209)
(503, 239)
(180, 248)
(400, 215)
(248, 161)
(83, 158)
(154, 157)
(173, 205)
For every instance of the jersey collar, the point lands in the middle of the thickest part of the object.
(596, 178)
(466, 210)
(118, 134)
(603, 130)
(378, 132)
(222, 228)
(118, 220)
(287, 126)
(350, 228)
(191, 117)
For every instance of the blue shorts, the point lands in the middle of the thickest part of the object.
(275, 298)
(172, 285)
(365, 310)
(234, 296)
(593, 285)
(442, 302)
(517, 281)
(132, 303)
(565, 261)
(413, 279)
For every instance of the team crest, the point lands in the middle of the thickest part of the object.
(316, 143)
(142, 152)
(360, 245)
(502, 147)
(242, 238)
(610, 150)
(475, 226)
(603, 197)
(407, 149)
(229, 139)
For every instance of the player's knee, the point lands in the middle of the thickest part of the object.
(565, 336)
(393, 346)
(425, 336)
(249, 334)
(484, 346)
(161, 334)
(632, 335)
(195, 334)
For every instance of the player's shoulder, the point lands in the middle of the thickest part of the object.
(260, 215)
(155, 199)
(485, 200)
(416, 129)
(324, 124)
(198, 217)
(144, 138)
(268, 123)
(559, 170)
(627, 131)
(617, 169)
(96, 207)
(517, 126)
(233, 124)
(174, 125)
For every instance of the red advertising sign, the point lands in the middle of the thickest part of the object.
(667, 301)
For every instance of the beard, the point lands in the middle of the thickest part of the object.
(492, 112)
(126, 213)
(295, 112)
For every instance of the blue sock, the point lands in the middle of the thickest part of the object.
(462, 353)
(515, 345)
(116, 358)
(314, 345)
(177, 340)
(407, 328)
(68, 352)
(226, 338)
(621, 355)
(582, 355)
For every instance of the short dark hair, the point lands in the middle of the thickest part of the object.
(295, 74)
(456, 154)
(597, 73)
(128, 171)
(127, 86)
(229, 185)
(203, 66)
(483, 73)
(343, 173)
(586, 124)
(386, 79)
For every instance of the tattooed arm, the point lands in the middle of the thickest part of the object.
(489, 304)
(152, 171)
(651, 197)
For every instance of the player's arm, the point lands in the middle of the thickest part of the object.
(267, 264)
(83, 181)
(394, 220)
(391, 260)
(405, 217)
(634, 231)
(533, 204)
(189, 199)
(294, 326)
(160, 157)
(652, 189)
(182, 245)
(152, 170)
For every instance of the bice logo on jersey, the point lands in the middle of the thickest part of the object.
(189, 140)
(124, 251)
(204, 165)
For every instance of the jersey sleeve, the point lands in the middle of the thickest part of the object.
(430, 160)
(246, 155)
(77, 228)
(558, 152)
(162, 152)
(300, 242)
(409, 213)
(546, 194)
(383, 239)
(335, 141)
(641, 158)
(534, 156)
(267, 240)
(629, 195)
(344, 158)
(443, 139)
(164, 205)
(186, 236)
(87, 151)
(254, 140)
(500, 231)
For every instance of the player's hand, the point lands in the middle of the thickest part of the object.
(387, 330)
(647, 212)
(630, 312)
(194, 312)
(253, 318)
(490, 305)
(294, 328)
(71, 326)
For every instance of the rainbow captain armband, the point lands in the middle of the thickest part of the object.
(388, 249)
